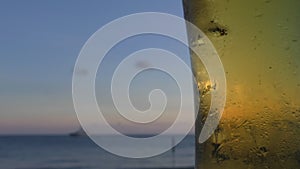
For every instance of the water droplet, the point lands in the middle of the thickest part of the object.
(258, 15)
(268, 1)
(198, 42)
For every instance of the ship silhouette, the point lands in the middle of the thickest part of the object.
(79, 133)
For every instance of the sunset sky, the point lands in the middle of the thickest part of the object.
(40, 41)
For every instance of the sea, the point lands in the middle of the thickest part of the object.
(65, 152)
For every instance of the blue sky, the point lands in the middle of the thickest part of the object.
(40, 41)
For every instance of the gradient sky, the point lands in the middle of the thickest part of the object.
(40, 41)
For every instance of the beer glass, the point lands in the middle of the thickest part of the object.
(258, 44)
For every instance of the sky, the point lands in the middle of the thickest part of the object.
(40, 41)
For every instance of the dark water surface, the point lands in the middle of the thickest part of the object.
(64, 152)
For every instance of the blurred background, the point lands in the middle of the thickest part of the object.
(40, 41)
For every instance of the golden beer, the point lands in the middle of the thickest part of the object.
(258, 43)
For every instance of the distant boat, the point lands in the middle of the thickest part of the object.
(79, 133)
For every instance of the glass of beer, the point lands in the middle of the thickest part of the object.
(258, 44)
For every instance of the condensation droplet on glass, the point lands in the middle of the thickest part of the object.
(198, 42)
(267, 1)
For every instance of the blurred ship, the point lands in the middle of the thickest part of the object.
(79, 133)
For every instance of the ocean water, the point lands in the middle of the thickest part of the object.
(64, 152)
